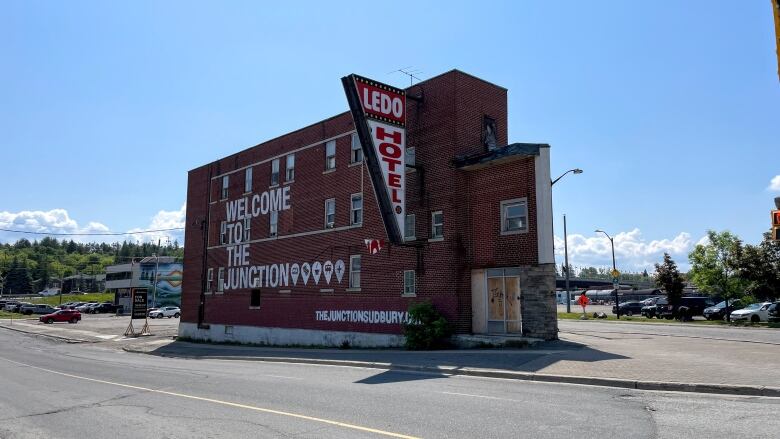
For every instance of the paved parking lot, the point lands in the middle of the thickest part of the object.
(95, 327)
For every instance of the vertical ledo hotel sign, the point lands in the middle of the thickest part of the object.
(379, 113)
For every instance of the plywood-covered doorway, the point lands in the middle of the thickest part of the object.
(503, 301)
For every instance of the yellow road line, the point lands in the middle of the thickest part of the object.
(217, 401)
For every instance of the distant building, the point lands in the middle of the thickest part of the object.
(141, 273)
(84, 283)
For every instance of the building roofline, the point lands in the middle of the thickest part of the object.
(504, 154)
(213, 162)
(281, 136)
(461, 72)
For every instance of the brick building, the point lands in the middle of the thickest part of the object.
(275, 235)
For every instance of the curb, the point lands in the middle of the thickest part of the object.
(40, 334)
(718, 389)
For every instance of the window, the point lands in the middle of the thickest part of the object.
(225, 184)
(248, 180)
(274, 222)
(209, 279)
(356, 155)
(354, 271)
(254, 298)
(357, 209)
(409, 286)
(274, 172)
(221, 280)
(247, 228)
(410, 157)
(290, 168)
(330, 213)
(330, 155)
(222, 232)
(409, 227)
(437, 225)
(514, 216)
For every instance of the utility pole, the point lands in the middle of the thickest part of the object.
(615, 273)
(566, 261)
(154, 279)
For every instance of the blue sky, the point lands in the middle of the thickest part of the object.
(671, 108)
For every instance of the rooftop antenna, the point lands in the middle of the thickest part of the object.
(410, 72)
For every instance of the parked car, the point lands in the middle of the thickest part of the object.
(63, 315)
(85, 308)
(650, 301)
(36, 309)
(628, 309)
(9, 305)
(686, 309)
(755, 312)
(166, 311)
(720, 311)
(74, 305)
(16, 306)
(103, 307)
(773, 313)
(64, 305)
(651, 311)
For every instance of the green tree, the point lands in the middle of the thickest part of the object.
(715, 265)
(668, 277)
(759, 268)
(18, 280)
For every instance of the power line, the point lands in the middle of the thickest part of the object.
(92, 234)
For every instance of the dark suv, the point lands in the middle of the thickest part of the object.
(103, 307)
(774, 313)
(686, 309)
(628, 308)
(651, 311)
(719, 311)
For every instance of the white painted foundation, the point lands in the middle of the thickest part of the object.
(287, 336)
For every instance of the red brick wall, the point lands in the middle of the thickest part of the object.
(446, 123)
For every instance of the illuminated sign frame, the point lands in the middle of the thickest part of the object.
(379, 113)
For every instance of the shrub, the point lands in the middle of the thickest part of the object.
(426, 328)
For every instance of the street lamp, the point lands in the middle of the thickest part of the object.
(575, 170)
(614, 271)
(566, 242)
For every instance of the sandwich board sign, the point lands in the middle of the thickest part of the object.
(140, 297)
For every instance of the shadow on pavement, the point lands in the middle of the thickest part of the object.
(399, 376)
(519, 360)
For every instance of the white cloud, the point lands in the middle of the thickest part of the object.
(632, 251)
(59, 221)
(774, 185)
(51, 221)
(164, 219)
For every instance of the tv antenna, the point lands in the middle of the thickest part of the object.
(410, 72)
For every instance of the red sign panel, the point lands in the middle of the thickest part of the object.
(776, 218)
(382, 102)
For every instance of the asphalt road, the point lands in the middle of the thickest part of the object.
(51, 389)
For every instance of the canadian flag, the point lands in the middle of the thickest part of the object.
(374, 245)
